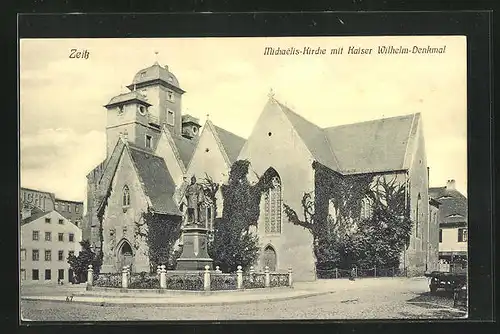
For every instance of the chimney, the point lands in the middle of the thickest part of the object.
(450, 185)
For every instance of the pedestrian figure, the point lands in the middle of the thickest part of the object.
(352, 274)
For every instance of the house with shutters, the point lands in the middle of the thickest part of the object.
(453, 222)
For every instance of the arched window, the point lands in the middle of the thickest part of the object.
(417, 216)
(126, 196)
(366, 208)
(272, 206)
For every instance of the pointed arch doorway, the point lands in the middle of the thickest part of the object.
(125, 255)
(270, 259)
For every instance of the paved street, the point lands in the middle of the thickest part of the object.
(382, 298)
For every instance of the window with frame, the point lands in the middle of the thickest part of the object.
(148, 141)
(69, 208)
(126, 196)
(462, 235)
(60, 236)
(71, 237)
(170, 117)
(120, 110)
(61, 221)
(23, 274)
(77, 209)
(142, 110)
(48, 255)
(35, 275)
(71, 253)
(272, 207)
(47, 220)
(60, 255)
(35, 255)
(48, 274)
(440, 235)
(170, 96)
(36, 235)
(23, 254)
(48, 236)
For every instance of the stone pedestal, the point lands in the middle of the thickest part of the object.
(194, 251)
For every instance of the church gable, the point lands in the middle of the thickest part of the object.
(209, 156)
(167, 150)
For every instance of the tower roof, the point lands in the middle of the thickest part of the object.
(133, 96)
(155, 73)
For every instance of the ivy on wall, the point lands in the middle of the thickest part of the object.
(160, 233)
(343, 238)
(233, 244)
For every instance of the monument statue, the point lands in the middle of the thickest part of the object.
(195, 197)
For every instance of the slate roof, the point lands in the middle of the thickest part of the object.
(153, 73)
(366, 147)
(128, 97)
(232, 143)
(314, 138)
(157, 182)
(34, 216)
(453, 208)
(185, 147)
(373, 146)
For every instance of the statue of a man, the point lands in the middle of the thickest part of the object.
(195, 197)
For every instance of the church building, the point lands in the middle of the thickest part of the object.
(153, 150)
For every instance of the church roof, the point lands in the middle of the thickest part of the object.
(156, 72)
(185, 147)
(134, 96)
(366, 147)
(232, 143)
(314, 138)
(157, 182)
(373, 146)
(453, 208)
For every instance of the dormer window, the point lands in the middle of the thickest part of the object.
(170, 117)
(142, 110)
(170, 96)
(149, 141)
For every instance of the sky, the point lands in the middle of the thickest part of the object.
(62, 118)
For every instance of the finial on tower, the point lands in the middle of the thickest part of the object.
(271, 93)
(156, 58)
(208, 115)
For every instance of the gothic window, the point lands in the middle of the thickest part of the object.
(126, 196)
(272, 207)
(366, 208)
(417, 217)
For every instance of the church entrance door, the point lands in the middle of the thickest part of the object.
(270, 258)
(125, 256)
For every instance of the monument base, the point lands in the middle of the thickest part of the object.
(194, 264)
(194, 250)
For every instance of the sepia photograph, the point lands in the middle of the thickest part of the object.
(231, 178)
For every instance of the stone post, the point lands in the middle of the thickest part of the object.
(217, 270)
(206, 278)
(239, 278)
(268, 278)
(90, 277)
(158, 270)
(163, 277)
(124, 278)
(290, 280)
(252, 274)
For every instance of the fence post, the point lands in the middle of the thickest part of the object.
(124, 279)
(90, 277)
(355, 271)
(290, 280)
(239, 277)
(375, 271)
(206, 278)
(217, 270)
(158, 270)
(163, 277)
(268, 279)
(252, 273)
(336, 273)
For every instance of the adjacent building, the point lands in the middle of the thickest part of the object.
(453, 223)
(71, 210)
(47, 238)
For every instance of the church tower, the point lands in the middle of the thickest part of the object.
(154, 101)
